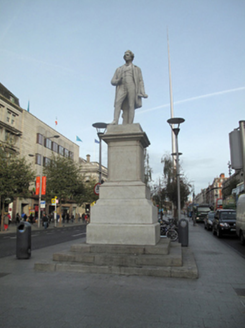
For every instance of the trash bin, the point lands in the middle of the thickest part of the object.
(23, 241)
(183, 232)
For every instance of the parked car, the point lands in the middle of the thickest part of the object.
(224, 222)
(208, 221)
(240, 219)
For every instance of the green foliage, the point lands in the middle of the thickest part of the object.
(15, 176)
(170, 181)
(148, 169)
(65, 181)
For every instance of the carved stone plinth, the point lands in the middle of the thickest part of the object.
(124, 213)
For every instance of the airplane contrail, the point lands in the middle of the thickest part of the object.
(193, 98)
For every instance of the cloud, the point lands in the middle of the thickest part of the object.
(193, 99)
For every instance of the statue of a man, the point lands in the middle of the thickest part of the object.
(129, 89)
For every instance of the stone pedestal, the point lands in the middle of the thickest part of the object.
(124, 213)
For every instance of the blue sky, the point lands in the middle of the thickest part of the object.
(61, 55)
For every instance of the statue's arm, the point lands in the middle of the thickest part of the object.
(117, 78)
(141, 84)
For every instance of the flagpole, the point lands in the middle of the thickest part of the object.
(171, 104)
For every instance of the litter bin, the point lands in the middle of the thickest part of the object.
(23, 241)
(183, 232)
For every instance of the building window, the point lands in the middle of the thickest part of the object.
(46, 161)
(38, 159)
(40, 139)
(66, 152)
(61, 150)
(71, 154)
(55, 147)
(48, 143)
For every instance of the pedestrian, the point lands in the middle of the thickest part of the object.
(67, 217)
(45, 221)
(83, 217)
(6, 222)
(72, 218)
(31, 218)
(17, 218)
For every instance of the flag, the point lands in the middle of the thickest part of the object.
(96, 141)
(78, 139)
(56, 121)
(28, 106)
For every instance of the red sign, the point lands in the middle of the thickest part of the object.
(37, 185)
(44, 179)
(44, 185)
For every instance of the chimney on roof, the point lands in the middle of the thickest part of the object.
(88, 158)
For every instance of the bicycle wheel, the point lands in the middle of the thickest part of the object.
(173, 235)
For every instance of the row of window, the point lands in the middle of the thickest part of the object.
(46, 160)
(53, 146)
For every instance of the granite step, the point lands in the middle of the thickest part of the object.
(162, 248)
(187, 270)
(129, 260)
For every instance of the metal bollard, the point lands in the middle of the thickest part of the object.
(183, 230)
(23, 241)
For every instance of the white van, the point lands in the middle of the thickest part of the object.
(240, 218)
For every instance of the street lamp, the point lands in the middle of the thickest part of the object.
(100, 128)
(40, 185)
(171, 122)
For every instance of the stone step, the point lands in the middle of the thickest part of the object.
(187, 270)
(174, 258)
(162, 248)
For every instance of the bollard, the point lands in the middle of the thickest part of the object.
(23, 241)
(183, 232)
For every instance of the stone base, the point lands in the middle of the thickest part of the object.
(123, 234)
(162, 260)
(124, 213)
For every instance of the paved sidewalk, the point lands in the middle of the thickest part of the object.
(33, 299)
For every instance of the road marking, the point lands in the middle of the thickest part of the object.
(79, 234)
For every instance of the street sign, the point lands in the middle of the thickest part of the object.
(97, 189)
(53, 201)
(42, 204)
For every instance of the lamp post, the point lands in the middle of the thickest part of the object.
(100, 128)
(40, 185)
(171, 122)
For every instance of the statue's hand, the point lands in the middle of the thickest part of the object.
(143, 95)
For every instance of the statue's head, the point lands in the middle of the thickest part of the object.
(131, 54)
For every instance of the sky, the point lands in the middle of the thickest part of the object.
(60, 55)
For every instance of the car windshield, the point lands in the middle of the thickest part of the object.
(203, 209)
(229, 215)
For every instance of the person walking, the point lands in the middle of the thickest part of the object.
(45, 221)
(17, 219)
(6, 222)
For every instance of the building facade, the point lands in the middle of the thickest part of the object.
(24, 134)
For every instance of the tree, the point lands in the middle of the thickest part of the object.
(65, 181)
(169, 173)
(148, 169)
(15, 177)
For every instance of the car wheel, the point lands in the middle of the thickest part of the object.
(219, 234)
(242, 239)
(214, 233)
